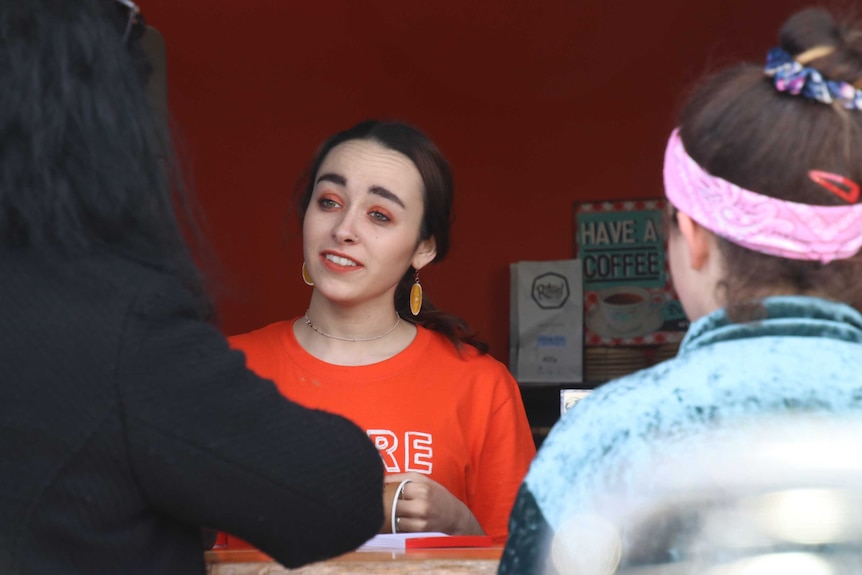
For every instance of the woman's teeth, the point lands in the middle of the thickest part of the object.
(339, 260)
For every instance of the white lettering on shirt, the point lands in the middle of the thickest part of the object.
(418, 450)
(386, 443)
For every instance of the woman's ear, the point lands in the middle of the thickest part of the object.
(425, 253)
(698, 239)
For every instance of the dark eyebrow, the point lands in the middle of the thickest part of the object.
(376, 190)
(384, 193)
(333, 178)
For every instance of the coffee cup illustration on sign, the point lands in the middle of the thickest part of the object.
(627, 311)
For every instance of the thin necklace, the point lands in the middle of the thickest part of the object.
(324, 334)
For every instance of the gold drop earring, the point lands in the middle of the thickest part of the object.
(416, 296)
(305, 277)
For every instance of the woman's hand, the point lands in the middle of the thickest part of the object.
(425, 505)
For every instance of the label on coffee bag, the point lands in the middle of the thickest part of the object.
(546, 338)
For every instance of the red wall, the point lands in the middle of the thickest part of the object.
(536, 104)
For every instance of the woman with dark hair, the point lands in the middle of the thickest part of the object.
(763, 181)
(127, 421)
(447, 418)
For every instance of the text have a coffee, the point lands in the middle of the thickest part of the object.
(629, 249)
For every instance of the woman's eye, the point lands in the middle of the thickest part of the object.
(379, 216)
(327, 203)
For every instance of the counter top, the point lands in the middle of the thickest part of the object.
(462, 561)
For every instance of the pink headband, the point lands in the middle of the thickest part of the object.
(757, 222)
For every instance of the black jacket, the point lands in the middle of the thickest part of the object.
(127, 424)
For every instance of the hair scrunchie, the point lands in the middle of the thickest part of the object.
(791, 77)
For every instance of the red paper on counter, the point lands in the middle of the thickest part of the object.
(424, 541)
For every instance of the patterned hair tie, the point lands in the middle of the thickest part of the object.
(792, 77)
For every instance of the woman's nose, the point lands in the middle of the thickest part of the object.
(344, 231)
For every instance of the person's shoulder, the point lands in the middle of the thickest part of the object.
(649, 383)
(442, 352)
(106, 293)
(116, 280)
(157, 292)
(109, 271)
(262, 338)
(442, 346)
(610, 420)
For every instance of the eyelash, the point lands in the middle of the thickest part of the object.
(327, 203)
(380, 216)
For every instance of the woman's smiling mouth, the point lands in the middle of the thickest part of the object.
(339, 260)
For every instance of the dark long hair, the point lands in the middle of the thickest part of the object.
(80, 163)
(738, 127)
(436, 221)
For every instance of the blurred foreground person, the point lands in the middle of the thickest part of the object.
(776, 494)
(126, 422)
(763, 182)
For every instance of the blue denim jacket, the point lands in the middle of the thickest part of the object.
(805, 356)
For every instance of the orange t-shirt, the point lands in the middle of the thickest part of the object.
(456, 418)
